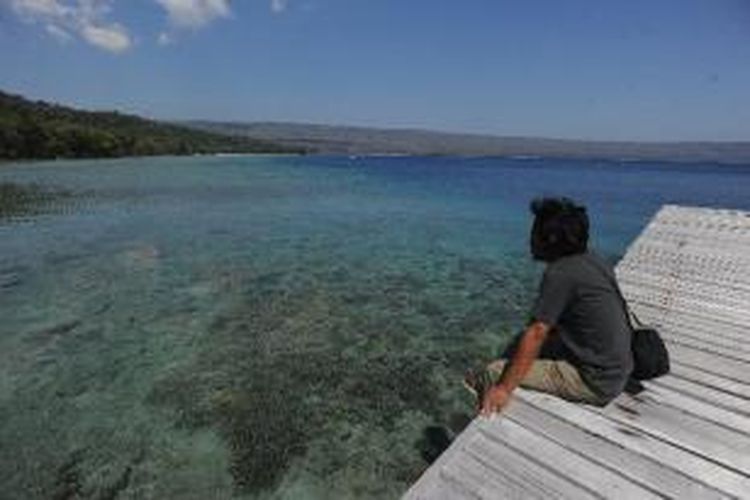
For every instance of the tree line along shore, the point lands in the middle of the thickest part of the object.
(42, 130)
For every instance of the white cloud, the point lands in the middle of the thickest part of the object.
(194, 13)
(58, 33)
(86, 18)
(278, 6)
(90, 21)
(32, 8)
(113, 37)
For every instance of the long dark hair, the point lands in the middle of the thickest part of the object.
(561, 227)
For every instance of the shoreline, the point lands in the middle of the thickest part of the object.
(6, 161)
(363, 156)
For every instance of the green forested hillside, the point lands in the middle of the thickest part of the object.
(36, 129)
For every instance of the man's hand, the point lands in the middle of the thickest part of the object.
(494, 400)
(497, 397)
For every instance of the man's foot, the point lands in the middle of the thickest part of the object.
(478, 382)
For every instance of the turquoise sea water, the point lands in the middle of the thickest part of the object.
(273, 327)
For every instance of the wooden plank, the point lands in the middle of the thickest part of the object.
(715, 290)
(720, 331)
(474, 481)
(716, 382)
(697, 273)
(701, 340)
(721, 327)
(470, 474)
(679, 303)
(652, 255)
(519, 471)
(697, 407)
(643, 470)
(691, 229)
(733, 327)
(711, 363)
(625, 434)
(678, 307)
(696, 332)
(658, 259)
(671, 239)
(685, 341)
(562, 460)
(446, 486)
(704, 393)
(696, 278)
(717, 443)
(685, 238)
(658, 314)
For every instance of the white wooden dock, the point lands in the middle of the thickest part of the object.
(686, 436)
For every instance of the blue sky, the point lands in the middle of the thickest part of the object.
(594, 69)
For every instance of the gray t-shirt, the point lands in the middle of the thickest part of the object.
(576, 297)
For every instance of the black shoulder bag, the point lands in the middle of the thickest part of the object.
(650, 356)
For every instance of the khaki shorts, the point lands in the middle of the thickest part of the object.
(556, 377)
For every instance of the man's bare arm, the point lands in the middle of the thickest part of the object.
(526, 354)
(519, 366)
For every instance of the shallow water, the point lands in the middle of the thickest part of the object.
(272, 327)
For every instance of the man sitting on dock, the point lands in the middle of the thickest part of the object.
(578, 343)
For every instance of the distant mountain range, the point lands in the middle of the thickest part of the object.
(327, 139)
(38, 129)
